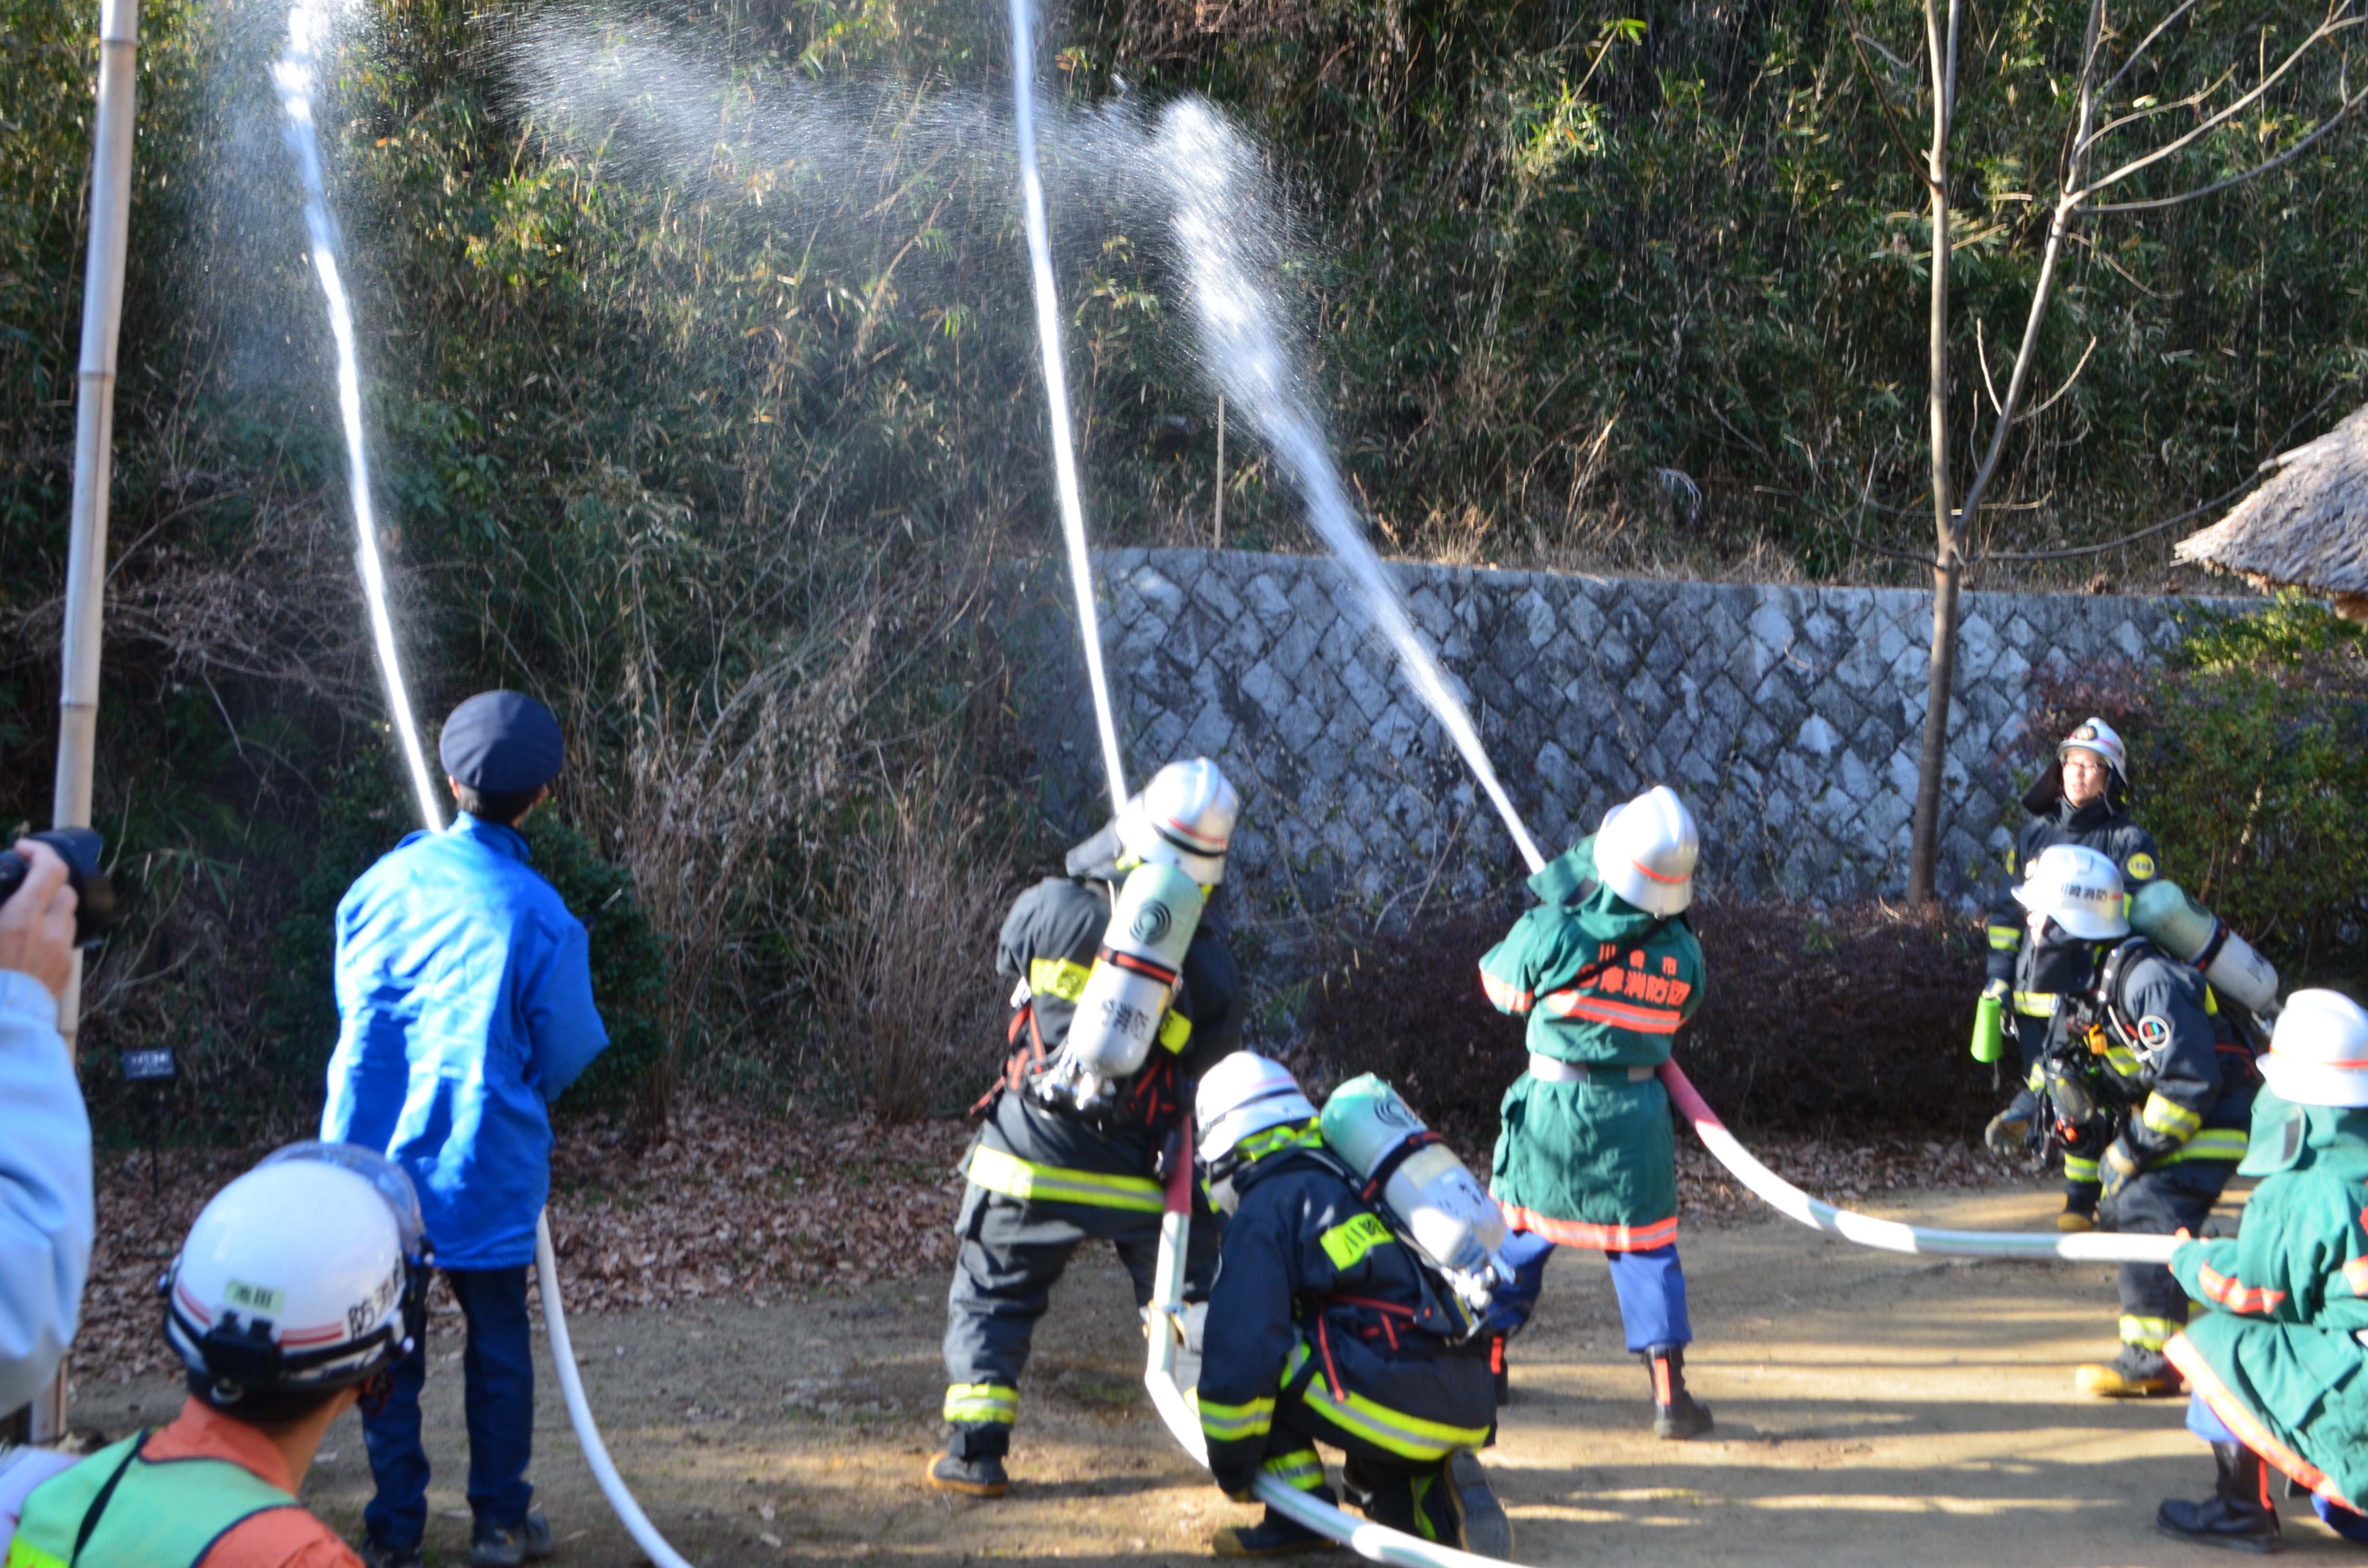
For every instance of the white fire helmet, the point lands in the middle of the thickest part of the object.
(2096, 735)
(2318, 1053)
(1646, 851)
(2078, 889)
(1183, 818)
(1245, 1094)
(303, 1276)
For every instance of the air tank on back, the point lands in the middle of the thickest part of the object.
(1133, 979)
(2163, 913)
(1436, 1202)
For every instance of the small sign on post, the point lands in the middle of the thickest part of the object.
(153, 1065)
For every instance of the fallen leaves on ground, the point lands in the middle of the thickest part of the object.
(737, 1204)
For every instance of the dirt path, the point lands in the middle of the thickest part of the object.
(1872, 1409)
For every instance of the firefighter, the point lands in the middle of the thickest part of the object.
(1066, 1157)
(2275, 1358)
(2140, 1064)
(1324, 1326)
(2084, 799)
(1605, 968)
(299, 1288)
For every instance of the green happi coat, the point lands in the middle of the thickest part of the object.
(2276, 1355)
(1604, 985)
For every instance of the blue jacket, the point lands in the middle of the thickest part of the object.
(465, 988)
(45, 1190)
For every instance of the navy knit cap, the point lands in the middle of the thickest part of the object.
(502, 742)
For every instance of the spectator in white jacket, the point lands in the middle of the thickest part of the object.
(45, 1180)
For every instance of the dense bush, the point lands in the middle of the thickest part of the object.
(1852, 1020)
(2249, 763)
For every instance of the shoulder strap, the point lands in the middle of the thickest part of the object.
(106, 1494)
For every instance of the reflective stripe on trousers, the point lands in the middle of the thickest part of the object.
(1015, 1177)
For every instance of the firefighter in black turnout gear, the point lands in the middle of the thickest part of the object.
(1125, 997)
(2143, 1070)
(2082, 800)
(1324, 1326)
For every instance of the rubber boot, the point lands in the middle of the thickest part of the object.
(2079, 1214)
(2136, 1373)
(1482, 1526)
(1676, 1415)
(2238, 1514)
(1273, 1535)
(507, 1547)
(980, 1477)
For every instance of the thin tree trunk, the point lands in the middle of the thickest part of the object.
(1924, 838)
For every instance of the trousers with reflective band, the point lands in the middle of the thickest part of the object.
(165, 1515)
(1024, 1179)
(1392, 1430)
(1233, 1423)
(983, 1401)
(2149, 1333)
(2211, 1143)
(1301, 1468)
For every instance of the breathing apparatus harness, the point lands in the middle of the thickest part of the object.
(1444, 1315)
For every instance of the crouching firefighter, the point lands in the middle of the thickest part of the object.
(2083, 800)
(2277, 1358)
(1325, 1325)
(300, 1287)
(2142, 1073)
(1605, 970)
(1124, 996)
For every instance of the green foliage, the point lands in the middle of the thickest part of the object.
(630, 964)
(2250, 762)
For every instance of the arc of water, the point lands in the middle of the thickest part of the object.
(1056, 388)
(296, 77)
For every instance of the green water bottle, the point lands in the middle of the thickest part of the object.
(1989, 1029)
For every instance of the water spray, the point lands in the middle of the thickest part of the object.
(1056, 387)
(297, 76)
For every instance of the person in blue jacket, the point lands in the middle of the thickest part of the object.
(464, 987)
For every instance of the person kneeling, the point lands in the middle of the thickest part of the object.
(299, 1286)
(2276, 1359)
(1322, 1327)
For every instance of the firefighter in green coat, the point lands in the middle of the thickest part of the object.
(2275, 1358)
(1605, 968)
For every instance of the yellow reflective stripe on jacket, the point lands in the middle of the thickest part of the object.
(2035, 1004)
(2122, 1060)
(982, 1402)
(1345, 1243)
(2149, 1333)
(1057, 977)
(1233, 1423)
(2077, 1169)
(1065, 979)
(2170, 1118)
(1015, 1177)
(2005, 938)
(1268, 1141)
(1300, 1468)
(1392, 1429)
(2218, 1143)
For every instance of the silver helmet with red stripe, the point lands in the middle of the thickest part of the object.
(304, 1276)
(1183, 818)
(1646, 851)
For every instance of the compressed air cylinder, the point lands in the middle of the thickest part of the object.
(2164, 914)
(1989, 1029)
(1442, 1205)
(1133, 977)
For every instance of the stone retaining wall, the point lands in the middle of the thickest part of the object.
(1790, 718)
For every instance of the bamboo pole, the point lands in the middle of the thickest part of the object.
(102, 313)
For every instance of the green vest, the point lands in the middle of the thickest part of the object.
(118, 1510)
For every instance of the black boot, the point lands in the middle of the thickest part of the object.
(1273, 1535)
(1676, 1415)
(977, 1476)
(2238, 1514)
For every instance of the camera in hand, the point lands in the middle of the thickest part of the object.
(80, 849)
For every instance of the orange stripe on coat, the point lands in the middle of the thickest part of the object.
(1603, 1010)
(1598, 1238)
(2238, 1298)
(2232, 1410)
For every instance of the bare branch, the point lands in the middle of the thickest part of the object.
(1882, 98)
(2181, 143)
(2189, 101)
(2144, 44)
(1981, 352)
(2130, 278)
(2190, 515)
(2325, 126)
(2068, 382)
(1877, 45)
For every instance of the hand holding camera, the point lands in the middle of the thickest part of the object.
(53, 898)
